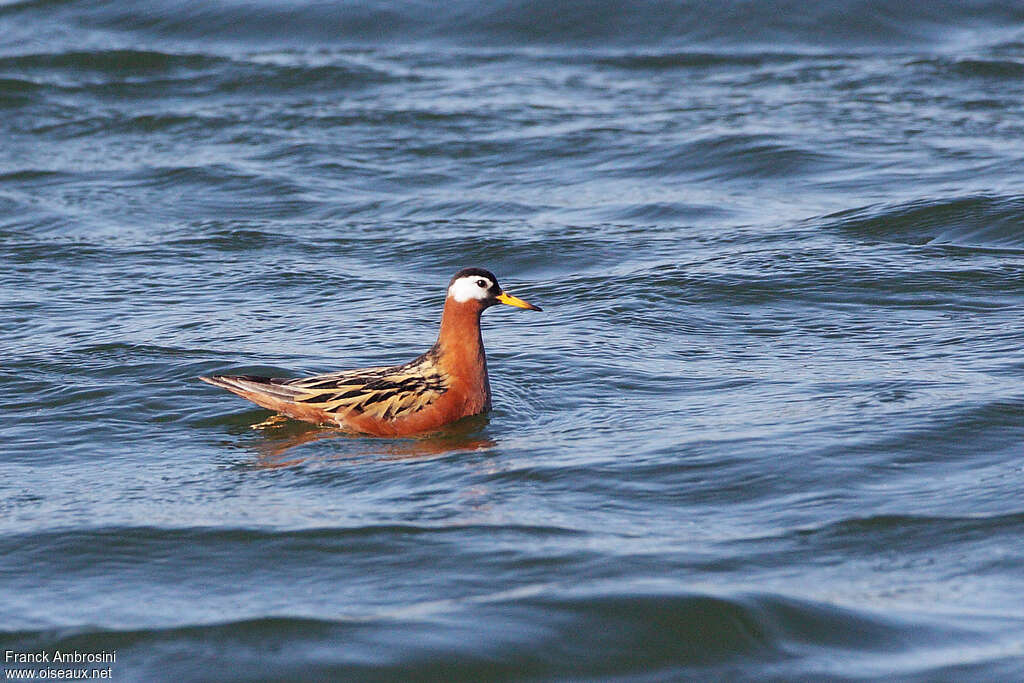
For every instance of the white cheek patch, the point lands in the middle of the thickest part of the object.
(465, 288)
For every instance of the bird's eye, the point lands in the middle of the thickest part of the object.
(481, 284)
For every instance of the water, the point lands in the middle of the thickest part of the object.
(769, 424)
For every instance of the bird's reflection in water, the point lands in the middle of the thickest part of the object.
(281, 440)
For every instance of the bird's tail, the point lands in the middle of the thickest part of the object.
(270, 392)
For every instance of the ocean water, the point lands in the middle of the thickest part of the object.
(770, 423)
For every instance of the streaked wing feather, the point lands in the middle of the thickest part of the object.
(384, 392)
(334, 380)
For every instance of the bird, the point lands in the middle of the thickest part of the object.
(445, 384)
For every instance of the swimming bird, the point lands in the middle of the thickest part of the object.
(445, 384)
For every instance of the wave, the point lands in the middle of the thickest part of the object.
(120, 543)
(985, 222)
(533, 631)
(975, 68)
(950, 526)
(129, 62)
(597, 23)
(123, 72)
(732, 156)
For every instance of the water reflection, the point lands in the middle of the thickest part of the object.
(281, 440)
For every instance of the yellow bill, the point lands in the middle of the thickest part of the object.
(510, 300)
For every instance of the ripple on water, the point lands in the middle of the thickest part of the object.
(980, 222)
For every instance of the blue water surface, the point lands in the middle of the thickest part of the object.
(770, 424)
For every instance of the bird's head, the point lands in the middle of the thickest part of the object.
(480, 287)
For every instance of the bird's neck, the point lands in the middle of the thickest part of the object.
(461, 346)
